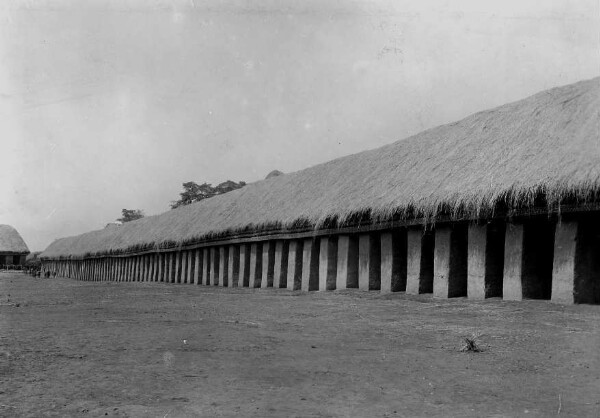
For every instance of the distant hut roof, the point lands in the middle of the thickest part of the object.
(11, 241)
(274, 173)
(113, 224)
(547, 143)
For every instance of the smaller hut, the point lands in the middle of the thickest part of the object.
(13, 250)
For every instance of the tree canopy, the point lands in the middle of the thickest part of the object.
(193, 192)
(131, 215)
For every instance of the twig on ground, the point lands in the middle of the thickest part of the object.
(472, 343)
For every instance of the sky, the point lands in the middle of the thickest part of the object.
(107, 105)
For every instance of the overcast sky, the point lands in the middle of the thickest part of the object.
(109, 105)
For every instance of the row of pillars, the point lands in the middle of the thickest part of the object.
(534, 259)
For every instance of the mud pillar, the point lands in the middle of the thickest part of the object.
(137, 268)
(125, 273)
(369, 262)
(328, 263)
(255, 264)
(280, 265)
(214, 266)
(182, 257)
(206, 266)
(244, 275)
(223, 266)
(155, 261)
(189, 274)
(197, 276)
(347, 262)
(529, 253)
(233, 266)
(513, 261)
(130, 270)
(117, 269)
(268, 264)
(139, 261)
(563, 271)
(310, 264)
(485, 260)
(141, 269)
(576, 266)
(178, 266)
(294, 266)
(476, 262)
(159, 267)
(133, 269)
(170, 267)
(420, 246)
(450, 261)
(109, 269)
(166, 278)
(146, 268)
(185, 266)
(393, 261)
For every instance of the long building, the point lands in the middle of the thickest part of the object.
(504, 203)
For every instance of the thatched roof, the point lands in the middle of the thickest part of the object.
(274, 173)
(548, 143)
(11, 241)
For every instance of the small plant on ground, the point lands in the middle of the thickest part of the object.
(472, 343)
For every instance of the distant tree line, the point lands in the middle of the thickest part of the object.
(128, 215)
(193, 192)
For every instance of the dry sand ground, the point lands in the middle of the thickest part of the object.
(73, 348)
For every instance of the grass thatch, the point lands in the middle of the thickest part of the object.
(11, 242)
(547, 144)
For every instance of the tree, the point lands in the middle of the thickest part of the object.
(130, 215)
(193, 192)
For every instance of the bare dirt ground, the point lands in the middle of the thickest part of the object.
(72, 348)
